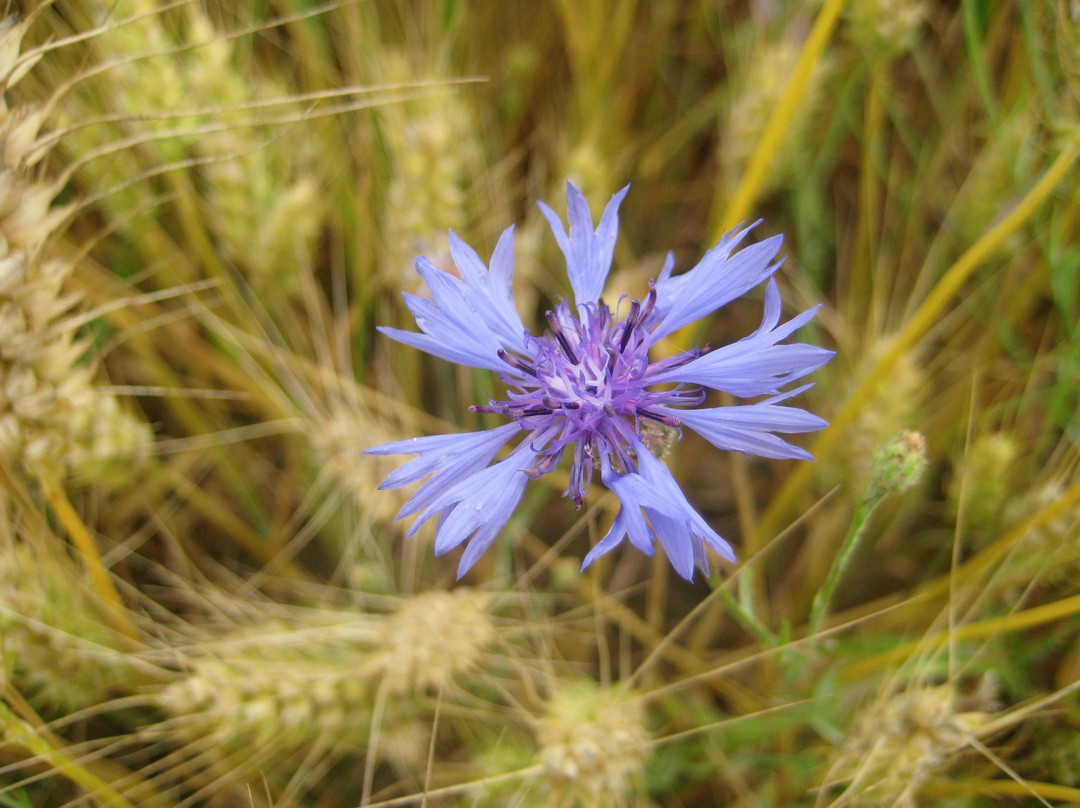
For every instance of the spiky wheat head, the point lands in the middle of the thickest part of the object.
(54, 645)
(266, 202)
(767, 70)
(146, 80)
(892, 410)
(1051, 551)
(981, 481)
(183, 90)
(593, 742)
(998, 171)
(286, 703)
(434, 637)
(338, 440)
(898, 743)
(885, 28)
(434, 158)
(45, 388)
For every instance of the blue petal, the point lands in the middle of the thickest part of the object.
(478, 505)
(467, 321)
(652, 492)
(718, 278)
(447, 342)
(616, 533)
(633, 488)
(677, 542)
(447, 458)
(748, 428)
(673, 503)
(755, 365)
(452, 329)
(492, 290)
(588, 252)
(669, 265)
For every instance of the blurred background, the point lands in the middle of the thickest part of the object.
(207, 207)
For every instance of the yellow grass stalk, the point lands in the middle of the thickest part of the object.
(991, 627)
(95, 567)
(1005, 788)
(749, 188)
(755, 177)
(917, 327)
(20, 733)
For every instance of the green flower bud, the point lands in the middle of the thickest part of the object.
(897, 465)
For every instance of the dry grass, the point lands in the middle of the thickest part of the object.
(207, 207)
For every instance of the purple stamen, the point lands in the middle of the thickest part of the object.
(630, 324)
(591, 391)
(516, 362)
(557, 331)
(666, 420)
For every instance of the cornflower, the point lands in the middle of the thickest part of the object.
(587, 386)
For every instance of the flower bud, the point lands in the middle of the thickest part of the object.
(897, 465)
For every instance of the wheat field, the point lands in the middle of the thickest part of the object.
(206, 210)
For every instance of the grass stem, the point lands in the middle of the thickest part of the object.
(824, 596)
(95, 567)
(916, 328)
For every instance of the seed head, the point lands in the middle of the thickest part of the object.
(433, 638)
(897, 465)
(52, 640)
(288, 703)
(981, 479)
(897, 744)
(593, 742)
(44, 384)
(885, 28)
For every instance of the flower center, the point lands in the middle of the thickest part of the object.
(583, 383)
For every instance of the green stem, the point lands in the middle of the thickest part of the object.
(747, 619)
(854, 536)
(18, 733)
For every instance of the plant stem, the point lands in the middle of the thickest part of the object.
(859, 521)
(95, 567)
(18, 733)
(747, 619)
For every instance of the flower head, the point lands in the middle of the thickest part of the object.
(588, 388)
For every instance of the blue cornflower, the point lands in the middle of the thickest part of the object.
(587, 386)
